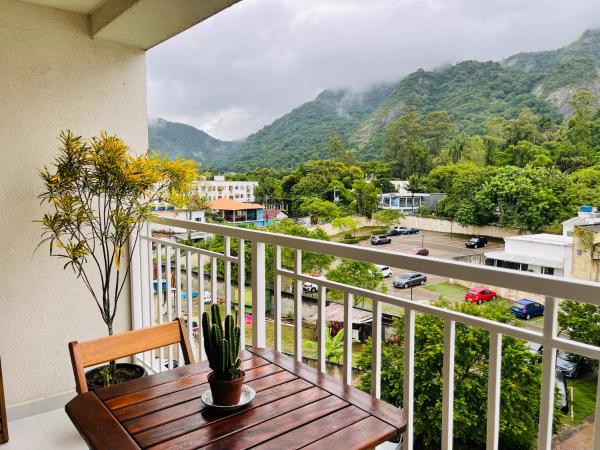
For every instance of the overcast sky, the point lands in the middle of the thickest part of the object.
(258, 59)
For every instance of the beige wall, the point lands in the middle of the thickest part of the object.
(583, 266)
(52, 77)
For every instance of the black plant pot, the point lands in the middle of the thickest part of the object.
(123, 372)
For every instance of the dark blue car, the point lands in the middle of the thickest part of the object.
(526, 309)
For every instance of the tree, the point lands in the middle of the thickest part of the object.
(457, 146)
(345, 224)
(521, 373)
(99, 196)
(318, 209)
(579, 124)
(339, 152)
(334, 346)
(356, 273)
(387, 217)
(582, 323)
(414, 185)
(404, 145)
(366, 197)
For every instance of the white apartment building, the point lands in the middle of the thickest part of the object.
(242, 191)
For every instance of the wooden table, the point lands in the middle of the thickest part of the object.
(294, 407)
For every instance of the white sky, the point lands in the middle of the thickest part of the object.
(257, 60)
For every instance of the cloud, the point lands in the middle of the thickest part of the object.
(257, 60)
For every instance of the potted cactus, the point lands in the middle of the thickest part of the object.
(222, 346)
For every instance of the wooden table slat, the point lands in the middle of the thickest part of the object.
(180, 384)
(149, 417)
(280, 425)
(313, 431)
(364, 434)
(212, 429)
(97, 425)
(382, 410)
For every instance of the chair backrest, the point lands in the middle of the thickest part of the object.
(3, 419)
(110, 348)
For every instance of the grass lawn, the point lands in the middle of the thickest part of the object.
(448, 291)
(584, 398)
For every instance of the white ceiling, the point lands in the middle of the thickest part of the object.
(77, 6)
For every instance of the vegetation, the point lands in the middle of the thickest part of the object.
(356, 273)
(521, 374)
(99, 195)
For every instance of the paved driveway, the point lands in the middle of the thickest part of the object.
(440, 245)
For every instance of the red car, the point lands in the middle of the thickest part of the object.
(479, 295)
(420, 252)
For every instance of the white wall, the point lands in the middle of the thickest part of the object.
(53, 76)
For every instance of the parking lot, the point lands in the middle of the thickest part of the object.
(440, 245)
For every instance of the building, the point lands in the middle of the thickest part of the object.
(586, 252)
(548, 254)
(404, 200)
(240, 213)
(177, 234)
(587, 215)
(242, 191)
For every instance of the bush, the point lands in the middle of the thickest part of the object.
(354, 240)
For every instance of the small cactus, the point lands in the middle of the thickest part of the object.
(222, 345)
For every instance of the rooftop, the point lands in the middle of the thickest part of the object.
(544, 238)
(226, 204)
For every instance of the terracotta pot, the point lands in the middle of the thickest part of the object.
(226, 393)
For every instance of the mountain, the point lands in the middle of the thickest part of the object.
(470, 91)
(181, 140)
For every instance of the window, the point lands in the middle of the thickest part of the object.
(579, 252)
(548, 270)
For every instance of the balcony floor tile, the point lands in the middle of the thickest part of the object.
(49, 431)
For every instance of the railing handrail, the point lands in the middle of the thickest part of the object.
(547, 285)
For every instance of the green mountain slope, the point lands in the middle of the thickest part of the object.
(470, 91)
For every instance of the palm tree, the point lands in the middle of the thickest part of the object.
(334, 347)
(414, 185)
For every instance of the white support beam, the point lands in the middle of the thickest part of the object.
(258, 294)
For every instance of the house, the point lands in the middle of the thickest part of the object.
(548, 254)
(587, 215)
(240, 213)
(403, 200)
(586, 252)
(218, 188)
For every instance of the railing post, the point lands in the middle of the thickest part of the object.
(548, 375)
(347, 367)
(242, 291)
(258, 294)
(448, 388)
(597, 418)
(322, 300)
(227, 275)
(298, 306)
(376, 350)
(409, 376)
(277, 299)
(494, 374)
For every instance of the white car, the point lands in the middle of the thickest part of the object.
(309, 287)
(385, 271)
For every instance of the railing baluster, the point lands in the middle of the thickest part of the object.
(178, 290)
(494, 374)
(214, 279)
(321, 329)
(597, 418)
(409, 376)
(201, 293)
(298, 291)
(227, 275)
(448, 388)
(242, 291)
(376, 350)
(159, 289)
(277, 300)
(169, 299)
(151, 295)
(347, 366)
(190, 294)
(258, 294)
(548, 375)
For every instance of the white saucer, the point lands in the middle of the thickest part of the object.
(247, 396)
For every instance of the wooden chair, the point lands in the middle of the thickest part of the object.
(110, 348)
(3, 419)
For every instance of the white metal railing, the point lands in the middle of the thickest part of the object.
(149, 297)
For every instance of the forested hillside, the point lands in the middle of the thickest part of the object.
(470, 93)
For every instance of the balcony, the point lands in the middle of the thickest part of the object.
(197, 270)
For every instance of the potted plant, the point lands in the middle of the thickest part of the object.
(99, 195)
(222, 346)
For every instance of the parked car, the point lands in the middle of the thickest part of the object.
(380, 239)
(409, 279)
(562, 399)
(476, 242)
(568, 363)
(402, 230)
(526, 309)
(479, 295)
(309, 287)
(385, 271)
(420, 252)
